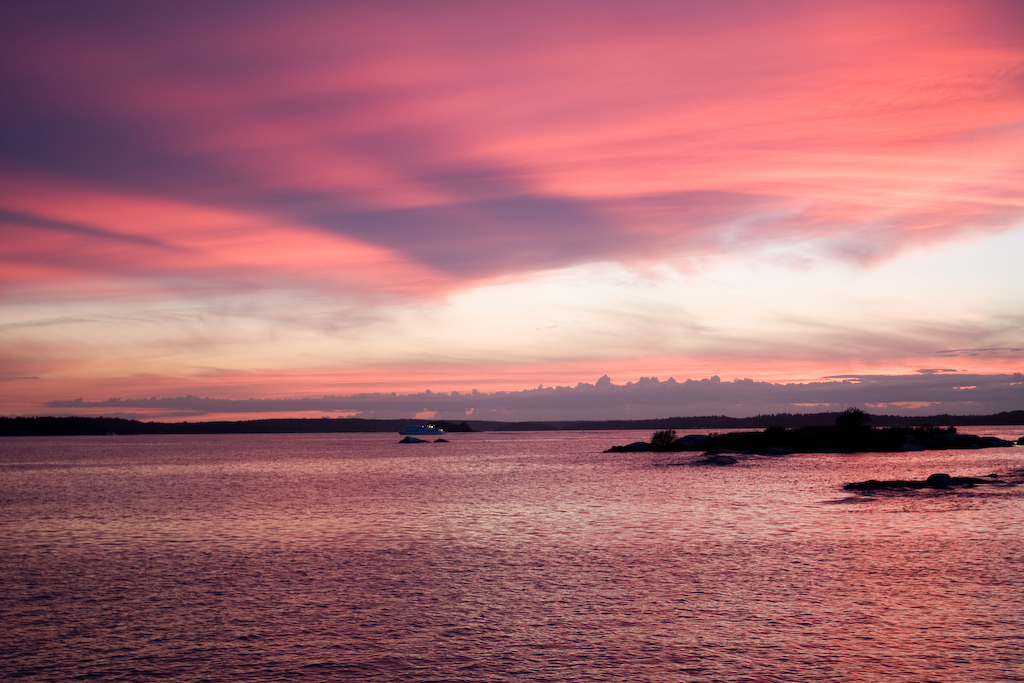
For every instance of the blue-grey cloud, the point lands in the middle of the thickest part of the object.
(645, 398)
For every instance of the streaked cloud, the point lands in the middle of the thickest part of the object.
(508, 139)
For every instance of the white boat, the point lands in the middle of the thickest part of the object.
(422, 429)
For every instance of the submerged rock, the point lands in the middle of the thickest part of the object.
(718, 460)
(777, 451)
(412, 439)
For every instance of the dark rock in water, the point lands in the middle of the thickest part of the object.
(692, 442)
(635, 447)
(440, 440)
(870, 485)
(935, 481)
(939, 481)
(412, 439)
(994, 442)
(777, 450)
(1020, 441)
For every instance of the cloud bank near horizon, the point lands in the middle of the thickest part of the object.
(931, 391)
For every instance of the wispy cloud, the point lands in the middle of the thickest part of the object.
(1005, 352)
(488, 141)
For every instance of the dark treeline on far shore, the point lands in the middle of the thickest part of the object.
(81, 426)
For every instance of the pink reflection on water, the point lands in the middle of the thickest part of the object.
(502, 556)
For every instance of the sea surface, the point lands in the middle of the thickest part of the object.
(529, 556)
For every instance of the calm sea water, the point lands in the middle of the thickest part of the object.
(498, 557)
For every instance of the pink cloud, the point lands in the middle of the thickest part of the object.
(68, 233)
(539, 137)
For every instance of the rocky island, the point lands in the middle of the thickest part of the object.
(935, 481)
(850, 434)
(940, 481)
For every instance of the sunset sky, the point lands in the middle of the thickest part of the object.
(251, 209)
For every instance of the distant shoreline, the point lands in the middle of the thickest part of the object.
(94, 426)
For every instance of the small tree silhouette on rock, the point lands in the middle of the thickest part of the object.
(852, 434)
(663, 440)
(852, 420)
